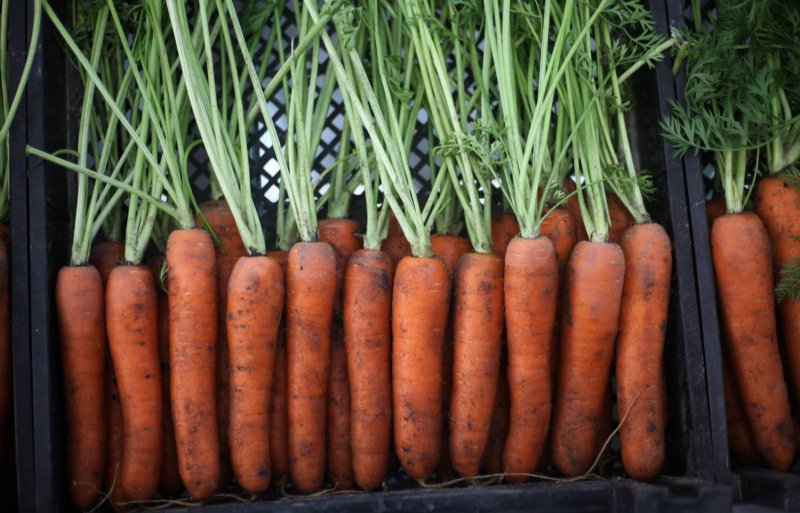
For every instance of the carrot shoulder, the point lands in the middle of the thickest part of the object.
(419, 318)
(255, 306)
(640, 349)
(192, 285)
(310, 294)
(743, 268)
(531, 288)
(81, 319)
(278, 415)
(504, 229)
(132, 325)
(592, 296)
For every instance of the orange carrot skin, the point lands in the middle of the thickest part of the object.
(716, 208)
(115, 438)
(341, 235)
(278, 415)
(573, 205)
(493, 461)
(131, 315)
(106, 256)
(592, 297)
(81, 318)
(395, 244)
(743, 268)
(740, 439)
(640, 349)
(339, 457)
(531, 287)
(419, 318)
(449, 248)
(778, 206)
(170, 476)
(255, 307)
(621, 219)
(310, 294)
(220, 218)
(367, 336)
(478, 330)
(561, 228)
(192, 285)
(504, 229)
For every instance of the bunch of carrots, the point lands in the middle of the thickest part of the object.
(194, 356)
(741, 111)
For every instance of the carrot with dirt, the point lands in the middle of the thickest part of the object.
(647, 251)
(732, 117)
(421, 286)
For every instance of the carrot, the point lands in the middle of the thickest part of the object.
(621, 219)
(231, 247)
(560, 227)
(592, 296)
(131, 315)
(255, 307)
(743, 269)
(170, 476)
(341, 235)
(367, 336)
(449, 248)
(606, 422)
(278, 416)
(339, 458)
(531, 285)
(778, 206)
(81, 318)
(105, 257)
(478, 330)
(493, 460)
(640, 348)
(310, 295)
(419, 318)
(192, 285)
(504, 229)
(116, 439)
(395, 245)
(573, 205)
(740, 438)
(714, 209)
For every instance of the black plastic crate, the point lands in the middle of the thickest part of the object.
(692, 464)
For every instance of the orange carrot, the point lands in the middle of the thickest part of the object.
(339, 458)
(560, 227)
(341, 235)
(396, 245)
(310, 295)
(592, 296)
(778, 206)
(419, 319)
(278, 415)
(367, 336)
(116, 439)
(170, 476)
(493, 461)
(531, 287)
(449, 248)
(255, 307)
(606, 423)
(640, 348)
(743, 269)
(192, 285)
(478, 331)
(573, 205)
(621, 218)
(132, 326)
(714, 209)
(105, 257)
(740, 439)
(220, 218)
(504, 228)
(81, 318)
